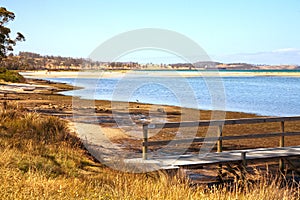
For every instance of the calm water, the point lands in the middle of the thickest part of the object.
(272, 96)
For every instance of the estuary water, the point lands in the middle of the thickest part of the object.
(262, 95)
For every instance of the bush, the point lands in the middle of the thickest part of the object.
(11, 76)
(20, 126)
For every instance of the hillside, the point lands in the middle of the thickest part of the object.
(34, 61)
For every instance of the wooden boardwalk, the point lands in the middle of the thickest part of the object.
(236, 156)
(218, 158)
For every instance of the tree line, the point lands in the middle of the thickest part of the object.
(35, 61)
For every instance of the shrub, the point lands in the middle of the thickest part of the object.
(11, 76)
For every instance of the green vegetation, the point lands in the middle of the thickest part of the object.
(11, 76)
(41, 159)
(6, 42)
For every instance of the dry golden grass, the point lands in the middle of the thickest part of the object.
(40, 159)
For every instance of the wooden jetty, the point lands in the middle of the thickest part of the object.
(220, 157)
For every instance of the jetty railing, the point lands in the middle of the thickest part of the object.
(219, 124)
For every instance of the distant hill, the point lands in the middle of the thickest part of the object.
(209, 65)
(35, 61)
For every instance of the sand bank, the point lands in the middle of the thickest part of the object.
(120, 74)
(24, 88)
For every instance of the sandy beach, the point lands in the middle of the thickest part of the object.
(120, 74)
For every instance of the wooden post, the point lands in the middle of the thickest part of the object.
(5, 101)
(244, 160)
(145, 140)
(281, 144)
(220, 149)
(244, 165)
(5, 104)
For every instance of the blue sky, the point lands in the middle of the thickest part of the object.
(254, 31)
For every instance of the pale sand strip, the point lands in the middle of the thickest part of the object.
(23, 88)
(120, 74)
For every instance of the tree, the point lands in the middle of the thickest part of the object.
(6, 42)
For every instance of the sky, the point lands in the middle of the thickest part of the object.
(252, 31)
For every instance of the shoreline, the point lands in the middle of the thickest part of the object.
(117, 75)
(120, 74)
(72, 75)
(33, 88)
(46, 100)
(53, 103)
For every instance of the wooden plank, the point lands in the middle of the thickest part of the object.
(166, 142)
(260, 135)
(222, 122)
(215, 139)
(235, 156)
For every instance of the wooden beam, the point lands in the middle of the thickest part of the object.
(215, 139)
(222, 122)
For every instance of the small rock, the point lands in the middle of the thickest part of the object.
(162, 110)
